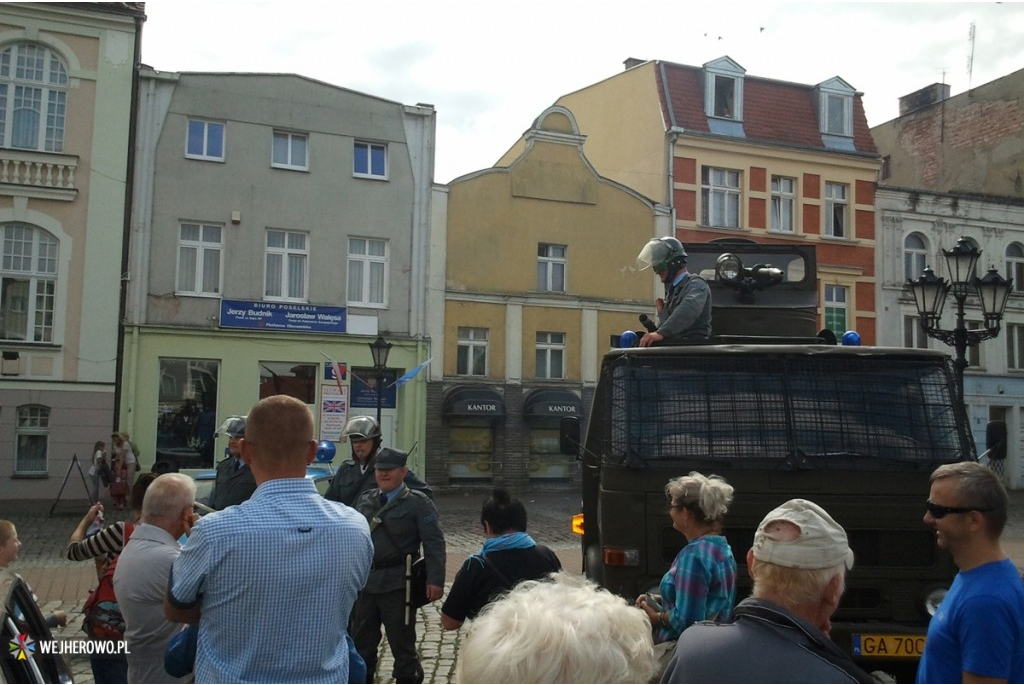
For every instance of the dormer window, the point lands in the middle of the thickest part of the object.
(723, 89)
(835, 108)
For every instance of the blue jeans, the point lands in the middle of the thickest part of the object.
(108, 668)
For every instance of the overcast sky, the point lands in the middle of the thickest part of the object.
(489, 67)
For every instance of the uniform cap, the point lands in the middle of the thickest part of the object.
(388, 458)
(821, 542)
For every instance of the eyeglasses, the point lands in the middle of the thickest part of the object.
(938, 511)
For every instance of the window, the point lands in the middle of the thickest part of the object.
(371, 160)
(289, 378)
(205, 140)
(835, 108)
(886, 171)
(33, 435)
(720, 193)
(33, 98)
(285, 276)
(1015, 265)
(783, 201)
(915, 256)
(472, 352)
(725, 97)
(974, 351)
(1015, 346)
(835, 309)
(551, 267)
(835, 210)
(367, 272)
(723, 89)
(187, 411)
(836, 116)
(289, 151)
(550, 355)
(913, 334)
(28, 284)
(199, 253)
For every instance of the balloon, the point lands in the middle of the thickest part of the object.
(851, 338)
(627, 339)
(325, 451)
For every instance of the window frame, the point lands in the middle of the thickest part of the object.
(1015, 347)
(914, 336)
(48, 101)
(287, 253)
(290, 138)
(832, 306)
(915, 258)
(833, 203)
(21, 243)
(471, 342)
(780, 199)
(549, 348)
(202, 249)
(205, 154)
(33, 421)
(370, 147)
(366, 262)
(547, 266)
(715, 188)
(716, 75)
(1015, 266)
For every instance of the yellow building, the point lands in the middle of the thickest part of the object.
(538, 282)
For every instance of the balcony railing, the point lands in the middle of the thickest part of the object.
(38, 174)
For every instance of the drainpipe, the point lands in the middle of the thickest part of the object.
(673, 136)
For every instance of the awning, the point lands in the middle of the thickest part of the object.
(551, 403)
(474, 400)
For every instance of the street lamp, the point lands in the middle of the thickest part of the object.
(379, 350)
(930, 295)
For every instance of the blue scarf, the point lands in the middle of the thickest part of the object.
(508, 541)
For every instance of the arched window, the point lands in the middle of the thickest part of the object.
(915, 256)
(1015, 265)
(33, 98)
(28, 283)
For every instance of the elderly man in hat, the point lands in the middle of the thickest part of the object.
(780, 633)
(401, 520)
(234, 483)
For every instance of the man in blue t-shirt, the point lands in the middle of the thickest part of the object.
(977, 633)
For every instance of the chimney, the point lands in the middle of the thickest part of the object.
(929, 95)
(633, 62)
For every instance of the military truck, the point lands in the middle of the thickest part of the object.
(780, 411)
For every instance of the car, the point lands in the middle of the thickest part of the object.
(23, 630)
(320, 475)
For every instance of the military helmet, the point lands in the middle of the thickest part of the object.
(662, 253)
(361, 428)
(233, 427)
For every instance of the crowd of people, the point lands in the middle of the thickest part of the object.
(211, 593)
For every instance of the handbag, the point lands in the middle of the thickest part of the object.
(180, 657)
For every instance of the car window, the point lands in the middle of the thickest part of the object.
(24, 625)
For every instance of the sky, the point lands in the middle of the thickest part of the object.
(490, 67)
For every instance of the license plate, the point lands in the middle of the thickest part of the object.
(879, 646)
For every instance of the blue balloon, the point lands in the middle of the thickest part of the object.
(325, 451)
(627, 339)
(851, 338)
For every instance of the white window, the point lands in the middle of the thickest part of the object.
(913, 334)
(720, 193)
(550, 355)
(835, 309)
(723, 89)
(472, 352)
(199, 257)
(289, 151)
(837, 114)
(285, 275)
(1015, 346)
(1015, 265)
(371, 160)
(915, 256)
(551, 263)
(783, 203)
(835, 210)
(28, 284)
(974, 357)
(33, 435)
(33, 98)
(205, 140)
(367, 272)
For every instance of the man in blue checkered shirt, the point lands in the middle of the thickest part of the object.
(271, 581)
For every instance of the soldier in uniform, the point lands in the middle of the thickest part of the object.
(401, 520)
(234, 483)
(355, 476)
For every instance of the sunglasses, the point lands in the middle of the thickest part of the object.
(938, 511)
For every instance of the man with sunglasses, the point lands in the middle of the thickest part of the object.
(977, 633)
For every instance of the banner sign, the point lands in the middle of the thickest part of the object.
(282, 316)
(364, 388)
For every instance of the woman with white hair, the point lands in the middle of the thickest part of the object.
(701, 583)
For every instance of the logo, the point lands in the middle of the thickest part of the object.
(23, 647)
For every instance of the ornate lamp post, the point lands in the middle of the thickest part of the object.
(379, 350)
(930, 295)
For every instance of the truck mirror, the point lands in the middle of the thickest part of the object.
(995, 440)
(569, 435)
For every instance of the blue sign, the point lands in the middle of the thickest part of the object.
(282, 316)
(364, 389)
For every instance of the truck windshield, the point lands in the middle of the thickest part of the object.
(803, 410)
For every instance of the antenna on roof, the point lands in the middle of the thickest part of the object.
(970, 55)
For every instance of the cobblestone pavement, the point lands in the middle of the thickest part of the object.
(62, 584)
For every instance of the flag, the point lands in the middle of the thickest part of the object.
(339, 371)
(409, 375)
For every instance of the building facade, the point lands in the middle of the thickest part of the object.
(538, 281)
(280, 224)
(742, 157)
(67, 82)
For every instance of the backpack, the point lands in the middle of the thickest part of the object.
(102, 616)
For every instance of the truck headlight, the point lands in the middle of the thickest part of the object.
(933, 599)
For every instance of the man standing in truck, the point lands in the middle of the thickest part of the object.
(685, 311)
